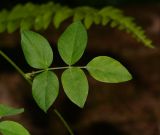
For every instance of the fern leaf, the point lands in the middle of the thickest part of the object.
(3, 19)
(117, 18)
(26, 24)
(40, 17)
(97, 18)
(61, 15)
(79, 14)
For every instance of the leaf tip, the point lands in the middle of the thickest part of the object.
(45, 110)
(129, 76)
(81, 105)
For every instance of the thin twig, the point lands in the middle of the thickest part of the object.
(15, 66)
(30, 82)
(64, 122)
(55, 68)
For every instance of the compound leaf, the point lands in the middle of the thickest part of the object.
(75, 85)
(106, 69)
(72, 43)
(12, 128)
(36, 49)
(45, 89)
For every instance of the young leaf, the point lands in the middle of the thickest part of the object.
(36, 49)
(3, 16)
(14, 18)
(12, 26)
(45, 89)
(7, 111)
(72, 43)
(61, 15)
(47, 19)
(106, 69)
(88, 20)
(26, 24)
(78, 15)
(105, 20)
(75, 85)
(12, 128)
(38, 24)
(97, 18)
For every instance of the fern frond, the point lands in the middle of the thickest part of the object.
(3, 20)
(41, 16)
(116, 18)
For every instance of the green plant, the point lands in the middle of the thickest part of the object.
(41, 16)
(45, 85)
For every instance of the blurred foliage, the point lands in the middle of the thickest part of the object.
(41, 16)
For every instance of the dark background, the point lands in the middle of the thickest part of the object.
(73, 3)
(130, 108)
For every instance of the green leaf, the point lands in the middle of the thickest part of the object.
(12, 128)
(72, 43)
(105, 21)
(75, 85)
(3, 20)
(45, 89)
(88, 20)
(106, 69)
(97, 18)
(26, 24)
(36, 49)
(44, 16)
(14, 18)
(113, 24)
(7, 111)
(78, 15)
(47, 19)
(61, 15)
(38, 22)
(13, 26)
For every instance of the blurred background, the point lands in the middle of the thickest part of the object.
(130, 108)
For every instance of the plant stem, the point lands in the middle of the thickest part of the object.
(30, 82)
(15, 66)
(55, 68)
(64, 122)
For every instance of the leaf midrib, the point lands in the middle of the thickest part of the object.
(36, 49)
(74, 41)
(46, 86)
